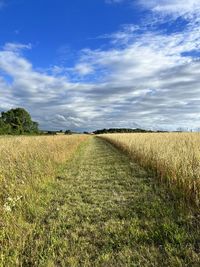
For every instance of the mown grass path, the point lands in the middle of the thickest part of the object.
(106, 211)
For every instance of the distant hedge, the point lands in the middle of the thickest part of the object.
(121, 130)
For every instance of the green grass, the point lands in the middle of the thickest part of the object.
(103, 210)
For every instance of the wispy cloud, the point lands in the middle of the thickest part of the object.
(165, 7)
(16, 47)
(123, 36)
(178, 7)
(113, 1)
(2, 3)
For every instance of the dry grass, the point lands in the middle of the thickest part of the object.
(28, 160)
(96, 209)
(28, 167)
(173, 157)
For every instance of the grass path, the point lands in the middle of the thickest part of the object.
(105, 211)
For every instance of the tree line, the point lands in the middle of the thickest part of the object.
(121, 130)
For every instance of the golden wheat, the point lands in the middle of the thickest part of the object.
(174, 158)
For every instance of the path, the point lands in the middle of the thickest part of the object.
(106, 212)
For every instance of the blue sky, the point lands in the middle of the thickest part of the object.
(105, 63)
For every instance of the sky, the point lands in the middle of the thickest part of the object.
(92, 64)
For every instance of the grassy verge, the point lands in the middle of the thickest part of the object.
(28, 167)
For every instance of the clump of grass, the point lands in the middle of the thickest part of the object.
(28, 168)
(174, 159)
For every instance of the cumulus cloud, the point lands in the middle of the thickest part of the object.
(143, 87)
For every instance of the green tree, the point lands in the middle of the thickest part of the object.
(19, 121)
(4, 127)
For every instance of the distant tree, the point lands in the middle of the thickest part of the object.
(51, 132)
(68, 132)
(18, 121)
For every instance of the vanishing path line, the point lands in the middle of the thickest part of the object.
(105, 211)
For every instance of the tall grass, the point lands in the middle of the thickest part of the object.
(174, 159)
(28, 168)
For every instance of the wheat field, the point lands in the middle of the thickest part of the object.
(174, 158)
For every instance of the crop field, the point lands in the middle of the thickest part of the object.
(111, 200)
(174, 158)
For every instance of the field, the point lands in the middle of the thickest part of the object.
(113, 200)
(28, 168)
(173, 158)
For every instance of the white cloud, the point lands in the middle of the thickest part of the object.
(179, 7)
(165, 7)
(123, 36)
(83, 69)
(16, 47)
(143, 80)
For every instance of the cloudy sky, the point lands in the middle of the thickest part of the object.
(84, 65)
